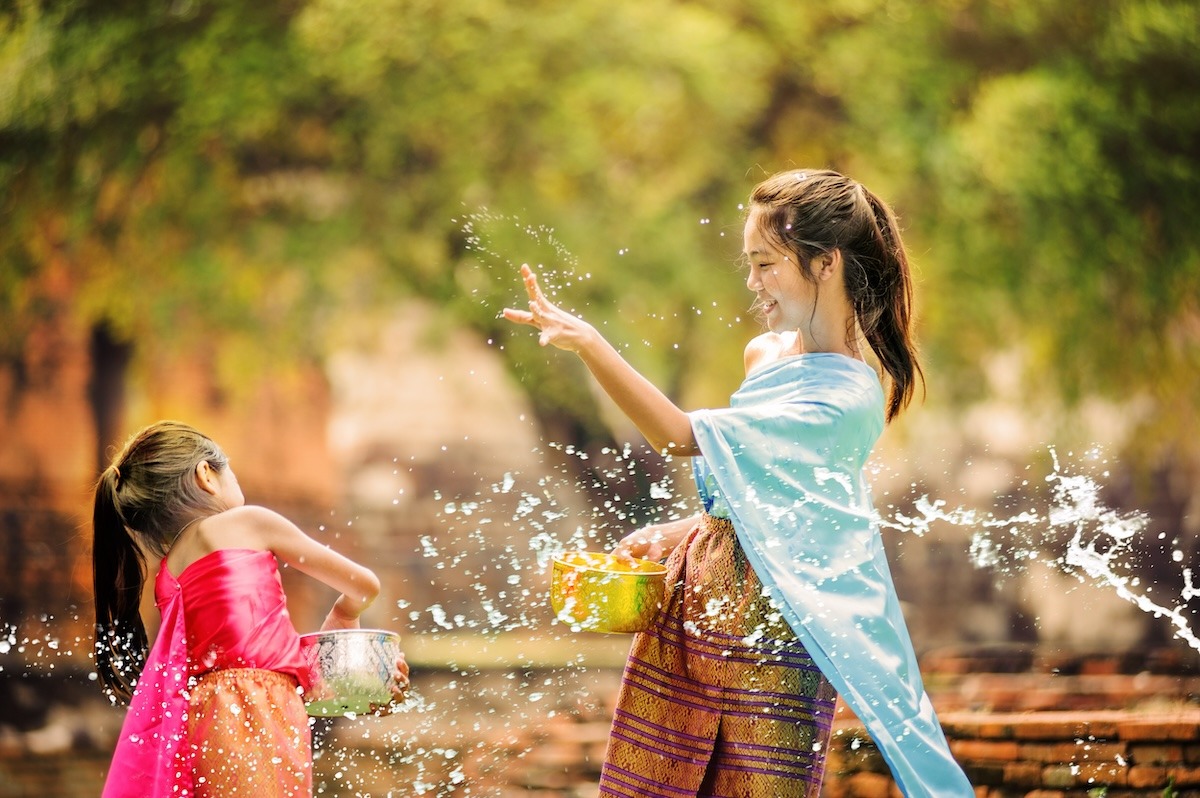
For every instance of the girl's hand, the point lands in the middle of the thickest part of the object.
(558, 328)
(400, 683)
(336, 620)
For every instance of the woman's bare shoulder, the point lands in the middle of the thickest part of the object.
(762, 349)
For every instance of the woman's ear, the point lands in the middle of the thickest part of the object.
(206, 478)
(829, 264)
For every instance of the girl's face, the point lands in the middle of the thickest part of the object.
(785, 298)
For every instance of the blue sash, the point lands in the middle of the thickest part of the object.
(787, 461)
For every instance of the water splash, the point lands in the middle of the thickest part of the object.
(1075, 534)
(488, 234)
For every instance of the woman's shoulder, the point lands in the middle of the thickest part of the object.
(766, 348)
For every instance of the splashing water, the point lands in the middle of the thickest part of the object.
(471, 720)
(1101, 543)
(470, 725)
(487, 233)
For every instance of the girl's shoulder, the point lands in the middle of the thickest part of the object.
(245, 527)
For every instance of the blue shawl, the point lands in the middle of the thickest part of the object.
(785, 461)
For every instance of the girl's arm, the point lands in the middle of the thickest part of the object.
(656, 541)
(358, 585)
(665, 426)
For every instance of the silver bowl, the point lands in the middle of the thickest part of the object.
(349, 670)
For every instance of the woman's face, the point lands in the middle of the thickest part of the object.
(785, 298)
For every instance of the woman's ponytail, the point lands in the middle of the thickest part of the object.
(814, 212)
(118, 574)
(889, 308)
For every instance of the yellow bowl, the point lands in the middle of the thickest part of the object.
(595, 592)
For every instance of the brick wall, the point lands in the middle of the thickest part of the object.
(1115, 754)
(542, 733)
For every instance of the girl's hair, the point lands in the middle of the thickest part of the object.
(146, 496)
(811, 213)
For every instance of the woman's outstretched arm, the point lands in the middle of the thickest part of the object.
(665, 426)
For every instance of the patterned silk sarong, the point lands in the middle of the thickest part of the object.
(719, 698)
(249, 735)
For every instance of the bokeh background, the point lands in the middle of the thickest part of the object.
(293, 224)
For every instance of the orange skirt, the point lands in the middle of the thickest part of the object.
(249, 735)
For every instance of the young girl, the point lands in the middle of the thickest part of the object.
(217, 708)
(780, 595)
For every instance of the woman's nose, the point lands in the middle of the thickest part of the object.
(752, 281)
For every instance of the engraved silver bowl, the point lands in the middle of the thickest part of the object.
(349, 670)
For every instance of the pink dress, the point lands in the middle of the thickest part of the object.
(217, 709)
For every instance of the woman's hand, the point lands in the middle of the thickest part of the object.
(644, 544)
(656, 541)
(667, 428)
(558, 328)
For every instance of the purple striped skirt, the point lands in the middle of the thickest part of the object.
(719, 698)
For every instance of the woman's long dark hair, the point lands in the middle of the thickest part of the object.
(142, 501)
(812, 213)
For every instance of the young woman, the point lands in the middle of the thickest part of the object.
(217, 708)
(780, 595)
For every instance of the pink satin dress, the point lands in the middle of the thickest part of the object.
(217, 710)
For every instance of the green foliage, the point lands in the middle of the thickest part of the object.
(260, 171)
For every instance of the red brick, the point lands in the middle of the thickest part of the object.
(1045, 794)
(1093, 774)
(1156, 754)
(1023, 774)
(1116, 753)
(1174, 728)
(1064, 753)
(1058, 776)
(868, 785)
(1048, 729)
(995, 731)
(988, 750)
(1035, 726)
(1147, 776)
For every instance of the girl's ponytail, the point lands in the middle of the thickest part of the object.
(118, 574)
(149, 492)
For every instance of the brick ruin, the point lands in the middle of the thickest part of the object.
(1023, 720)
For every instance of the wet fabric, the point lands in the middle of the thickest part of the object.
(786, 459)
(249, 735)
(226, 610)
(718, 697)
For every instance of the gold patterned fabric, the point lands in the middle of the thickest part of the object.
(718, 698)
(250, 736)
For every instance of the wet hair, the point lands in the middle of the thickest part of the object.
(811, 213)
(143, 499)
